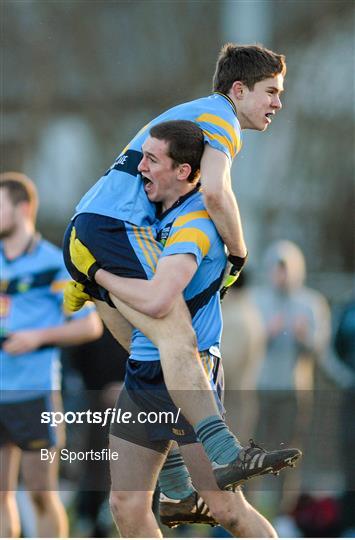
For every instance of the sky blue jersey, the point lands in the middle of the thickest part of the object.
(31, 295)
(187, 228)
(120, 194)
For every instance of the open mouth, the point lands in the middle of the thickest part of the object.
(268, 117)
(147, 183)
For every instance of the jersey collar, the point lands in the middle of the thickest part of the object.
(29, 247)
(180, 200)
(228, 99)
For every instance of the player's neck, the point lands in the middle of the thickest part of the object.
(173, 198)
(18, 241)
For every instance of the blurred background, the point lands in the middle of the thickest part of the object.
(80, 77)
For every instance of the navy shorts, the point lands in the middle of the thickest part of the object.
(20, 423)
(119, 247)
(155, 420)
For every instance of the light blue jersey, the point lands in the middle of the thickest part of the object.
(31, 296)
(120, 192)
(187, 228)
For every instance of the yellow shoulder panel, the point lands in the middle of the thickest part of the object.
(191, 234)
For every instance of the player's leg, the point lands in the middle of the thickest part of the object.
(183, 506)
(119, 327)
(134, 475)
(41, 481)
(10, 456)
(40, 475)
(179, 502)
(230, 509)
(174, 478)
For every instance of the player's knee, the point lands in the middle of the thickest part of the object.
(126, 505)
(226, 515)
(228, 520)
(179, 320)
(179, 344)
(187, 346)
(40, 500)
(116, 501)
(183, 337)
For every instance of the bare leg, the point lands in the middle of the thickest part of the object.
(10, 456)
(119, 327)
(183, 371)
(230, 509)
(40, 478)
(134, 476)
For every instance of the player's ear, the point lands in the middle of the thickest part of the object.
(25, 208)
(238, 89)
(184, 171)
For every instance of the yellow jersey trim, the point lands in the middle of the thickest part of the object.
(218, 121)
(222, 140)
(141, 245)
(193, 235)
(182, 220)
(148, 244)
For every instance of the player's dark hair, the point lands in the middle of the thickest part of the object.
(186, 143)
(248, 64)
(20, 189)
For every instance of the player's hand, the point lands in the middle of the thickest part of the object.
(23, 342)
(81, 257)
(236, 264)
(74, 296)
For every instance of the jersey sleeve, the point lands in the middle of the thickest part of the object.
(223, 134)
(192, 233)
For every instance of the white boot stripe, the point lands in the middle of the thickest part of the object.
(253, 462)
(261, 460)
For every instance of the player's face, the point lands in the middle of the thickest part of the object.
(8, 214)
(158, 170)
(257, 107)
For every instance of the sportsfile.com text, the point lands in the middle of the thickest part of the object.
(109, 416)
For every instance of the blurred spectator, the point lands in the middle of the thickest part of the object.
(344, 344)
(296, 322)
(32, 327)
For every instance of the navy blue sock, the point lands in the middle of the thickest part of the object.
(174, 479)
(219, 443)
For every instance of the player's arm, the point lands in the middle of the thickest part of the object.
(153, 297)
(71, 332)
(157, 296)
(220, 200)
